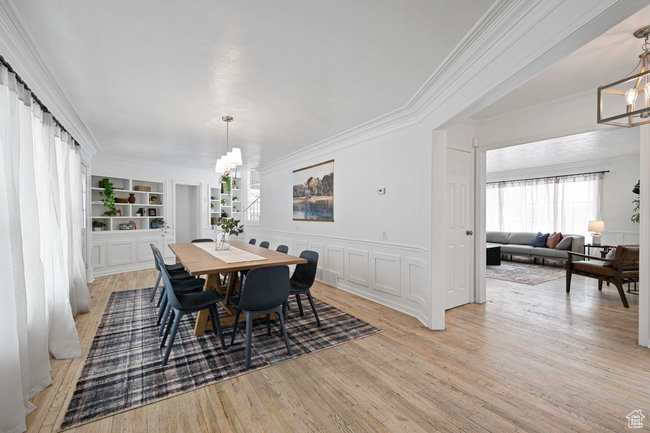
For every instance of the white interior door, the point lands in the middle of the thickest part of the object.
(460, 170)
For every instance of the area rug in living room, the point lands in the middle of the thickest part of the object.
(525, 273)
(123, 368)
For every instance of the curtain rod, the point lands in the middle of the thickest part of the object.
(550, 177)
(35, 98)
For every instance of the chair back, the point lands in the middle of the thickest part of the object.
(167, 280)
(282, 249)
(202, 240)
(264, 288)
(264, 244)
(626, 258)
(252, 241)
(305, 273)
(155, 256)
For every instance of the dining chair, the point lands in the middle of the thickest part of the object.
(186, 304)
(264, 244)
(184, 284)
(265, 290)
(282, 249)
(176, 270)
(252, 241)
(302, 280)
(202, 240)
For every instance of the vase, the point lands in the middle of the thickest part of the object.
(131, 198)
(222, 241)
(153, 225)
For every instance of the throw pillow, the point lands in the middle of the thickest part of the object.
(553, 240)
(610, 256)
(540, 240)
(565, 243)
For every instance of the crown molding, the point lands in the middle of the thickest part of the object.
(507, 45)
(17, 48)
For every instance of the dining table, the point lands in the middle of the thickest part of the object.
(221, 269)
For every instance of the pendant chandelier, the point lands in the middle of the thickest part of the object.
(626, 102)
(232, 159)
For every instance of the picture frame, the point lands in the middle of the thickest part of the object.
(152, 212)
(313, 192)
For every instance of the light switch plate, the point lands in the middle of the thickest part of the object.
(381, 190)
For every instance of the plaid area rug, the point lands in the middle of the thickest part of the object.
(123, 369)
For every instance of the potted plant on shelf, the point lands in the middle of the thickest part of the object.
(156, 223)
(98, 225)
(225, 228)
(235, 198)
(226, 180)
(108, 196)
(223, 202)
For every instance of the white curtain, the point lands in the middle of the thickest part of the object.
(558, 204)
(43, 283)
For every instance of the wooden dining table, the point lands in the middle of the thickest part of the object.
(198, 262)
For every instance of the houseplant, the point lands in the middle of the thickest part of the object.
(636, 216)
(156, 223)
(98, 225)
(108, 196)
(225, 228)
(226, 180)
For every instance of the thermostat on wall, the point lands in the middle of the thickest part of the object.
(381, 190)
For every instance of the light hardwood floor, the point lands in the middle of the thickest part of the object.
(530, 359)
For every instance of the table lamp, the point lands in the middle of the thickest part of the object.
(596, 227)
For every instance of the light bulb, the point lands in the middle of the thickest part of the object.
(630, 96)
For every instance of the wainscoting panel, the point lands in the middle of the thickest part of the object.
(386, 271)
(112, 253)
(390, 274)
(356, 266)
(415, 280)
(97, 255)
(121, 252)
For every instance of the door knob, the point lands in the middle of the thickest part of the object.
(469, 233)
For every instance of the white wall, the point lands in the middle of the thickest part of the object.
(617, 191)
(187, 212)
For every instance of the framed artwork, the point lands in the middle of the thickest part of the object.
(152, 212)
(313, 192)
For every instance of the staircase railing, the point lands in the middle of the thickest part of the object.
(252, 212)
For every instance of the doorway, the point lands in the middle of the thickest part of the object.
(187, 224)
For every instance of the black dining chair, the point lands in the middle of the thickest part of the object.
(185, 284)
(282, 249)
(302, 280)
(176, 270)
(202, 240)
(183, 304)
(252, 241)
(264, 244)
(264, 291)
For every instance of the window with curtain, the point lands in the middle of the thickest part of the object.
(42, 268)
(556, 204)
(253, 207)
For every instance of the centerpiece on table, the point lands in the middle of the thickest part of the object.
(227, 227)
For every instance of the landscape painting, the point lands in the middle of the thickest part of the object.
(313, 192)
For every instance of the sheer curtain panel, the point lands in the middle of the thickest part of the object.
(558, 204)
(43, 282)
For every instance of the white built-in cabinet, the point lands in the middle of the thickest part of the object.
(123, 243)
(225, 203)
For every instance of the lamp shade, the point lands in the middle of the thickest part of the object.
(596, 226)
(219, 167)
(236, 156)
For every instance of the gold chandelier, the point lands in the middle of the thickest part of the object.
(626, 102)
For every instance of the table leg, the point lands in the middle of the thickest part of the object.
(211, 283)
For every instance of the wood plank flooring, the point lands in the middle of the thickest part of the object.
(531, 359)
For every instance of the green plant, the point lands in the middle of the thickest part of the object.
(223, 202)
(636, 216)
(234, 198)
(108, 195)
(230, 226)
(97, 223)
(227, 181)
(158, 220)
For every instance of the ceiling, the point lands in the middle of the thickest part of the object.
(152, 78)
(605, 59)
(574, 149)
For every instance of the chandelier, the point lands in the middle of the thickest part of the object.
(626, 102)
(232, 159)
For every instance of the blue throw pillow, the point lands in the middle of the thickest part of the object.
(540, 240)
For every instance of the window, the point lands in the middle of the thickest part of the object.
(555, 204)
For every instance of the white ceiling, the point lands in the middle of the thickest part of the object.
(152, 78)
(606, 59)
(574, 149)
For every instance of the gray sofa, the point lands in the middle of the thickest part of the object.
(520, 244)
